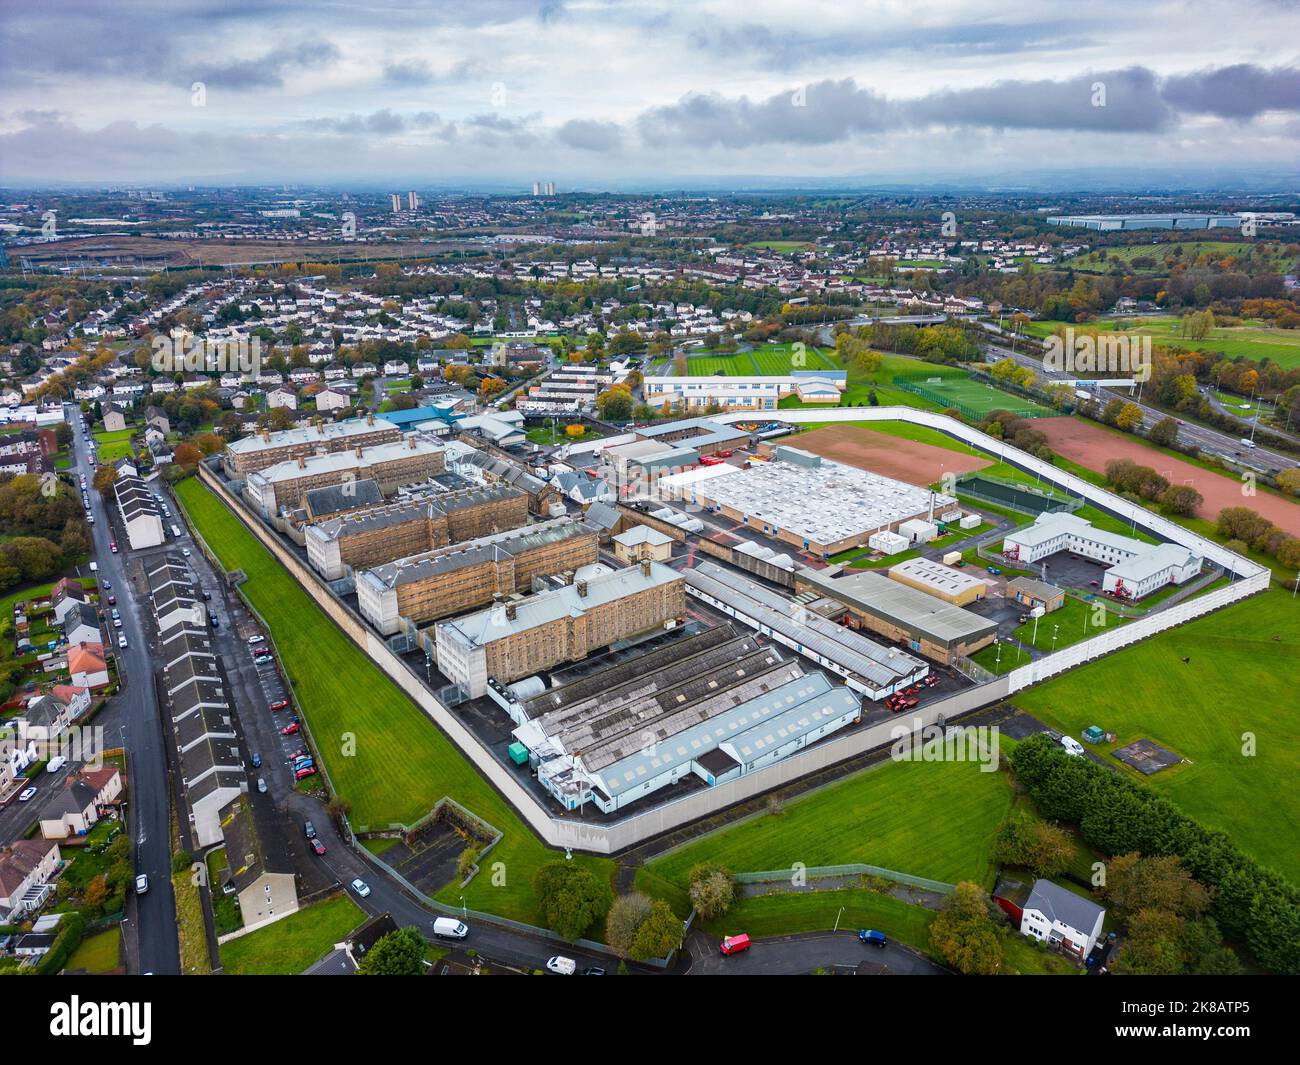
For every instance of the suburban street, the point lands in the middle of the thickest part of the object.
(132, 720)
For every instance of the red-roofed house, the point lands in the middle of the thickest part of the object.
(87, 667)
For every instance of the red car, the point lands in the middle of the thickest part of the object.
(112, 546)
(317, 846)
(290, 728)
(280, 704)
(112, 600)
(302, 774)
(261, 652)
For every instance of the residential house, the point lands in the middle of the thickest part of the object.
(81, 624)
(66, 594)
(114, 418)
(1060, 918)
(87, 666)
(27, 869)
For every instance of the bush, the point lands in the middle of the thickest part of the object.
(711, 889)
(572, 898)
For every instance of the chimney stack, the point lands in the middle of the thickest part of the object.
(645, 567)
(302, 462)
(266, 436)
(370, 419)
(358, 451)
(412, 441)
(582, 589)
(510, 611)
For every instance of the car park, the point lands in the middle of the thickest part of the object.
(259, 638)
(562, 966)
(870, 937)
(290, 728)
(302, 774)
(280, 704)
(361, 887)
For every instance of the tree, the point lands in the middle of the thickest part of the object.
(1129, 417)
(964, 932)
(399, 953)
(711, 889)
(1164, 432)
(1181, 499)
(187, 455)
(659, 935)
(571, 897)
(1151, 947)
(624, 920)
(615, 404)
(1289, 481)
(1134, 883)
(1043, 848)
(104, 479)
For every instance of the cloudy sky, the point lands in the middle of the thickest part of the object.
(594, 91)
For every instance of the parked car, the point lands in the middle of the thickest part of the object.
(141, 884)
(113, 547)
(256, 760)
(185, 551)
(361, 887)
(280, 704)
(562, 966)
(317, 846)
(112, 599)
(734, 944)
(121, 641)
(1072, 746)
(290, 728)
(26, 794)
(592, 970)
(309, 829)
(872, 938)
(302, 774)
(256, 639)
(261, 785)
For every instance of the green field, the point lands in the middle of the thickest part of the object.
(929, 819)
(1191, 250)
(1253, 341)
(402, 764)
(975, 398)
(783, 247)
(288, 946)
(1239, 683)
(109, 447)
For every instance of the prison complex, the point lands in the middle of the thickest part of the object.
(265, 449)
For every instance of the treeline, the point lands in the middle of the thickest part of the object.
(934, 343)
(1147, 484)
(1252, 905)
(1243, 527)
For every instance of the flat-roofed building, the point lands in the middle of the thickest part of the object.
(511, 640)
(471, 574)
(388, 465)
(927, 625)
(715, 705)
(934, 578)
(866, 666)
(745, 393)
(822, 507)
(1031, 593)
(370, 537)
(265, 449)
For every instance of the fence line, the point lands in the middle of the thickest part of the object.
(817, 872)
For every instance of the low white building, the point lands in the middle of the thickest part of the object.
(1062, 919)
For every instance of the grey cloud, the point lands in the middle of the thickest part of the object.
(590, 136)
(1240, 91)
(408, 72)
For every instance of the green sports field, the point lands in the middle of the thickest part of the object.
(402, 764)
(972, 397)
(773, 359)
(1237, 689)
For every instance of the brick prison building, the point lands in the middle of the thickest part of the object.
(375, 535)
(389, 465)
(472, 574)
(266, 449)
(511, 640)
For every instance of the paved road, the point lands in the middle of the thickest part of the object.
(134, 721)
(805, 953)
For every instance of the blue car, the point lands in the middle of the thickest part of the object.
(257, 761)
(875, 939)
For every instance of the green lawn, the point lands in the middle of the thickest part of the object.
(929, 819)
(109, 447)
(287, 947)
(1075, 621)
(781, 246)
(100, 953)
(402, 764)
(1239, 684)
(1253, 341)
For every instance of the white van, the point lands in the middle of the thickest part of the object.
(450, 928)
(1246, 442)
(1072, 746)
(562, 966)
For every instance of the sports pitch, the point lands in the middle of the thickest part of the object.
(973, 398)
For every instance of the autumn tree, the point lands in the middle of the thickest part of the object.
(964, 932)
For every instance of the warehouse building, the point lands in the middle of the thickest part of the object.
(690, 394)
(865, 665)
(266, 449)
(1136, 568)
(715, 706)
(518, 639)
(468, 575)
(944, 582)
(282, 486)
(819, 506)
(927, 625)
(364, 538)
(141, 516)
